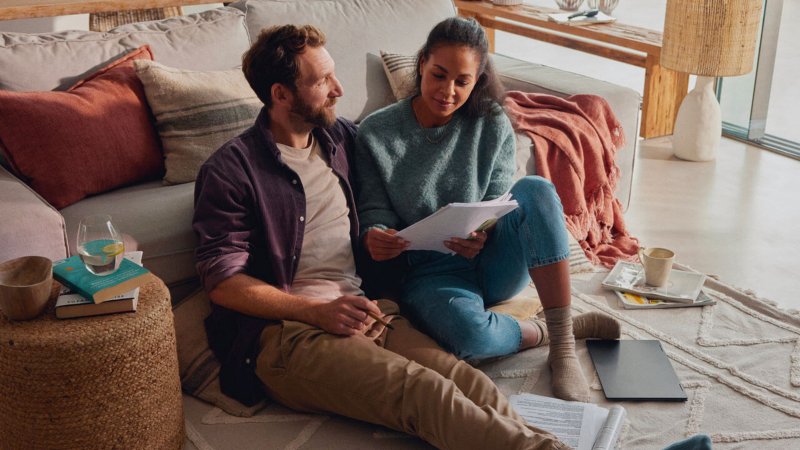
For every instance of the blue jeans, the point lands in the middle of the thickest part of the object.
(447, 295)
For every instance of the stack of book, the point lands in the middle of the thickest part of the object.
(683, 289)
(85, 294)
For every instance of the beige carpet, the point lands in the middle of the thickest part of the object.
(738, 360)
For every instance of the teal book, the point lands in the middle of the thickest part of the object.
(72, 273)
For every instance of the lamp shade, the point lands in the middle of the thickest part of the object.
(713, 38)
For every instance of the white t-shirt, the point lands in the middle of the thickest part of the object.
(326, 269)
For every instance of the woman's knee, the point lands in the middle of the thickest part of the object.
(536, 194)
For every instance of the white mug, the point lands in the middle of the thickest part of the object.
(657, 263)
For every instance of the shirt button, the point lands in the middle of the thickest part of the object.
(302, 218)
(247, 361)
(294, 257)
(294, 181)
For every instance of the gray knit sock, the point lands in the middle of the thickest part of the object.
(595, 325)
(568, 380)
(541, 331)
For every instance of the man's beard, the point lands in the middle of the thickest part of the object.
(322, 117)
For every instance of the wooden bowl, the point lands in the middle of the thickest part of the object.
(25, 285)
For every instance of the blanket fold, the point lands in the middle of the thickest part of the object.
(575, 145)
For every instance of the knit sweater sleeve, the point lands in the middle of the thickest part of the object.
(372, 198)
(505, 165)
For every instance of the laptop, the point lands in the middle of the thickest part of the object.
(635, 370)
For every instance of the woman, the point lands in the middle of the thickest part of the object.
(451, 142)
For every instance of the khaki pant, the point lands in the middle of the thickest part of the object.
(400, 379)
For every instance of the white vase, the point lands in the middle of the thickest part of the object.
(698, 127)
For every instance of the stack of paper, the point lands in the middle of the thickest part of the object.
(584, 426)
(455, 220)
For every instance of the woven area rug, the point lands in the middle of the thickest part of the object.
(739, 361)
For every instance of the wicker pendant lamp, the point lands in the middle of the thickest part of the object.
(707, 38)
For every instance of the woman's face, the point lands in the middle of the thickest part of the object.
(448, 76)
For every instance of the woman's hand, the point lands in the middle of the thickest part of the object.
(383, 244)
(346, 316)
(468, 248)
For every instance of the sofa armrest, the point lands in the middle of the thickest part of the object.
(524, 76)
(29, 226)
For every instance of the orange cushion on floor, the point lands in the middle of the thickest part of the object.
(94, 137)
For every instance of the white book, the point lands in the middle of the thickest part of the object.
(633, 301)
(455, 220)
(70, 304)
(584, 426)
(580, 20)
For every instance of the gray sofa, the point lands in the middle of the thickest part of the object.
(157, 219)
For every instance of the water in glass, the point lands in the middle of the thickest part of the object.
(100, 245)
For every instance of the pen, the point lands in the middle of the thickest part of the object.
(589, 13)
(379, 320)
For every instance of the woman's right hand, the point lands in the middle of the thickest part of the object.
(383, 244)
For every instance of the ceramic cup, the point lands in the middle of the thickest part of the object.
(657, 264)
(25, 285)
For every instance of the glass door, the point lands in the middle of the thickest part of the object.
(758, 107)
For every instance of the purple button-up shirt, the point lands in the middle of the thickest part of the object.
(249, 210)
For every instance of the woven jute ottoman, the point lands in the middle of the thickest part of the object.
(94, 382)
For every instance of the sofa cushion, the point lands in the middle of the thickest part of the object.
(400, 71)
(524, 76)
(196, 112)
(92, 138)
(153, 218)
(356, 33)
(211, 40)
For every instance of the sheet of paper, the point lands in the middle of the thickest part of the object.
(454, 220)
(577, 424)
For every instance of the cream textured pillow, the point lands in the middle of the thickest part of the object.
(196, 112)
(578, 262)
(400, 70)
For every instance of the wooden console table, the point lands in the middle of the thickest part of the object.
(663, 89)
(28, 9)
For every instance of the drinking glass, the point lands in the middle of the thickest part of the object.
(100, 245)
(603, 5)
(569, 5)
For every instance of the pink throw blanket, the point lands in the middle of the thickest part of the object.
(576, 140)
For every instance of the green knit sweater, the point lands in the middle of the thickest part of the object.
(405, 172)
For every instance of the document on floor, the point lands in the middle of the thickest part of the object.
(456, 220)
(584, 426)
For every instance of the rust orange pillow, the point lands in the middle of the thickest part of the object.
(94, 137)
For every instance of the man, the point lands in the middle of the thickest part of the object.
(275, 215)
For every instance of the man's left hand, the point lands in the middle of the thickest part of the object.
(468, 248)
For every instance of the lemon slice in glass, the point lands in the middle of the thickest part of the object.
(114, 249)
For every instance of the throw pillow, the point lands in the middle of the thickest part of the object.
(196, 112)
(400, 70)
(578, 262)
(94, 137)
(197, 364)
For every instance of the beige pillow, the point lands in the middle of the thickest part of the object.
(197, 364)
(196, 112)
(400, 70)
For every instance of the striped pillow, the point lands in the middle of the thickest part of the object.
(578, 262)
(400, 69)
(196, 112)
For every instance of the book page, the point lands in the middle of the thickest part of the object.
(575, 423)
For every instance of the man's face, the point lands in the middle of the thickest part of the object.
(317, 88)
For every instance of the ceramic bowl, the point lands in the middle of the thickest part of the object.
(25, 285)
